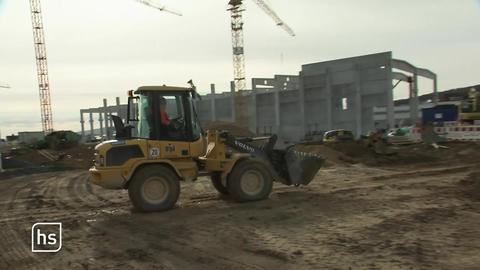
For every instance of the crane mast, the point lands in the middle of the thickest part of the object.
(41, 59)
(42, 67)
(236, 10)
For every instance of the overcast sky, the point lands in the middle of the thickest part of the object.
(101, 48)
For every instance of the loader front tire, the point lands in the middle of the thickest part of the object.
(154, 188)
(217, 183)
(249, 181)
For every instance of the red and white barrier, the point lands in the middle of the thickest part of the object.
(460, 133)
(450, 132)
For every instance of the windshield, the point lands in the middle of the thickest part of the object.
(162, 117)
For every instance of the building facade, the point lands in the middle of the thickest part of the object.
(336, 94)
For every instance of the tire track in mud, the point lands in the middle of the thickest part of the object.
(70, 199)
(77, 193)
(199, 236)
(204, 231)
(63, 197)
(294, 245)
(250, 235)
(425, 172)
(301, 245)
(72, 195)
(15, 241)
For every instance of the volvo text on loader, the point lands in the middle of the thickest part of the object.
(162, 144)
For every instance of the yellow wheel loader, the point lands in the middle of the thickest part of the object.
(162, 144)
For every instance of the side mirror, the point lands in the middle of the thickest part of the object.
(132, 110)
(121, 131)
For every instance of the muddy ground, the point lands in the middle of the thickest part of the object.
(422, 214)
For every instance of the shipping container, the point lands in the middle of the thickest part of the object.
(440, 113)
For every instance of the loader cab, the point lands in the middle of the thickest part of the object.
(163, 113)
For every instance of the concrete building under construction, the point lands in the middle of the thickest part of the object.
(336, 94)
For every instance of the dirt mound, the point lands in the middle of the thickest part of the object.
(403, 155)
(455, 152)
(79, 157)
(358, 152)
(332, 156)
(24, 155)
(234, 129)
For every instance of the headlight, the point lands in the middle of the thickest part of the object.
(99, 160)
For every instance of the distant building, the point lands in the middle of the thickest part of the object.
(322, 96)
(30, 136)
(336, 94)
(12, 138)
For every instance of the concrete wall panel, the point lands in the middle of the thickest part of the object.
(203, 110)
(288, 97)
(314, 81)
(374, 87)
(289, 114)
(343, 77)
(265, 110)
(373, 74)
(312, 94)
(224, 109)
(316, 112)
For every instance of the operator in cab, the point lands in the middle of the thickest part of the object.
(164, 118)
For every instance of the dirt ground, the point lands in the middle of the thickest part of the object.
(384, 213)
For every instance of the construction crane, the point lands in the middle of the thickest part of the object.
(41, 59)
(155, 4)
(42, 67)
(236, 10)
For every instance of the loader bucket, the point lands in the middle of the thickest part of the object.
(302, 167)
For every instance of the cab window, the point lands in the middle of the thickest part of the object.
(161, 117)
(174, 106)
(196, 129)
(171, 118)
(167, 116)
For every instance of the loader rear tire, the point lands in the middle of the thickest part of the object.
(217, 183)
(249, 181)
(154, 188)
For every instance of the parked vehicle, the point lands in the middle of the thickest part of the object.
(338, 135)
